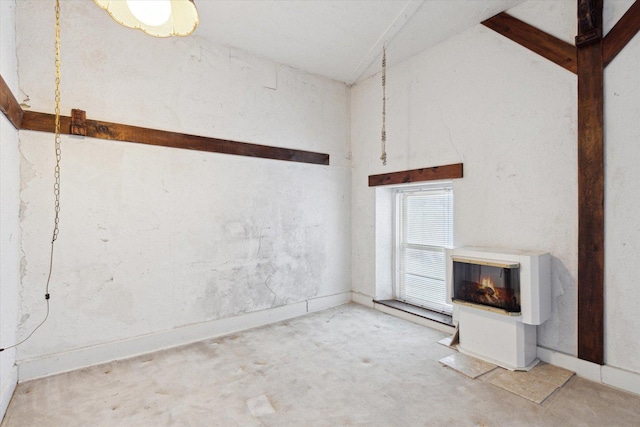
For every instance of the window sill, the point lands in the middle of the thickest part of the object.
(434, 316)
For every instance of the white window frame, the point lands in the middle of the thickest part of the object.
(398, 233)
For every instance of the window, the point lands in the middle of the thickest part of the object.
(424, 230)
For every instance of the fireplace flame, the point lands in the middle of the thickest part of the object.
(489, 288)
(482, 289)
(487, 283)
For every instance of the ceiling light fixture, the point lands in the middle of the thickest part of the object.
(159, 18)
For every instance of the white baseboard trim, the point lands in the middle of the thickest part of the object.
(323, 303)
(362, 299)
(123, 349)
(609, 375)
(620, 378)
(8, 388)
(588, 370)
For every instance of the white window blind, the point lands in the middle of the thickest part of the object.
(424, 231)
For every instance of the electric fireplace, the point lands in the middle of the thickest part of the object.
(489, 283)
(499, 298)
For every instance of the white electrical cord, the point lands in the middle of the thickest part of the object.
(56, 185)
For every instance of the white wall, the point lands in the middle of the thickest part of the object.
(154, 238)
(622, 204)
(9, 207)
(510, 116)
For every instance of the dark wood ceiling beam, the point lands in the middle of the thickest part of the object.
(44, 122)
(622, 33)
(552, 48)
(9, 105)
(417, 175)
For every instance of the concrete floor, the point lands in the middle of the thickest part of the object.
(345, 366)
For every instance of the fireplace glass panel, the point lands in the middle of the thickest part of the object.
(488, 285)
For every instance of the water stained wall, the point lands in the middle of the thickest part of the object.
(154, 238)
(9, 214)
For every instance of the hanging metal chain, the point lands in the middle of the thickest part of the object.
(383, 138)
(56, 185)
(58, 151)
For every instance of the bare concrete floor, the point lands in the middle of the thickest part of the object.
(345, 366)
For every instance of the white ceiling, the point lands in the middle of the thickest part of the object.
(340, 39)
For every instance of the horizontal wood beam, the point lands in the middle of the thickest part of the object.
(9, 105)
(417, 175)
(554, 49)
(622, 33)
(45, 122)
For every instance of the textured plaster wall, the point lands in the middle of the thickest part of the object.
(510, 116)
(9, 207)
(622, 204)
(155, 238)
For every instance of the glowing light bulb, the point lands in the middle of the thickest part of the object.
(151, 12)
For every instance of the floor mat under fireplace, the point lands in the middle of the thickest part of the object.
(535, 385)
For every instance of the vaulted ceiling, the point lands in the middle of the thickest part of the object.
(342, 40)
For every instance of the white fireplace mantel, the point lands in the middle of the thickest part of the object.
(506, 340)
